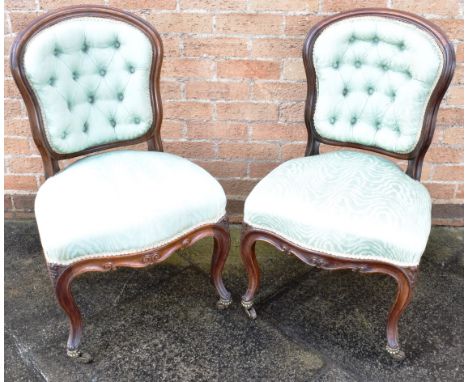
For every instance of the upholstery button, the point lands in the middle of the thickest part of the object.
(69, 105)
(85, 127)
(85, 47)
(112, 122)
(352, 39)
(136, 120)
(64, 134)
(57, 52)
(408, 74)
(370, 90)
(116, 44)
(120, 96)
(336, 64)
(51, 81)
(353, 120)
(91, 99)
(375, 40)
(357, 64)
(344, 92)
(384, 67)
(131, 69)
(102, 72)
(332, 120)
(75, 76)
(392, 95)
(378, 124)
(401, 46)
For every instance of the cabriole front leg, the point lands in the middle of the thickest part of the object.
(222, 244)
(62, 277)
(250, 262)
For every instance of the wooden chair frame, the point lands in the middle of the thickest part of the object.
(404, 276)
(63, 275)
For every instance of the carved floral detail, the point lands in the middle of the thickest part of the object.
(109, 266)
(151, 258)
(185, 243)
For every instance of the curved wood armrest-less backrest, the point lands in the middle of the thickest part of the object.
(405, 276)
(63, 274)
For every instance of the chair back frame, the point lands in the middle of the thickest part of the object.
(50, 158)
(415, 158)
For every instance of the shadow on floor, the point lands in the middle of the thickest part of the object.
(161, 324)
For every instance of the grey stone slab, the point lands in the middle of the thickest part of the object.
(343, 316)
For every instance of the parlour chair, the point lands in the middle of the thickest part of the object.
(89, 77)
(375, 79)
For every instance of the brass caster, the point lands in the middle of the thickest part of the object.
(397, 353)
(223, 304)
(79, 356)
(249, 309)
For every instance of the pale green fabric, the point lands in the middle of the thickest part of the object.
(374, 77)
(347, 204)
(91, 78)
(123, 201)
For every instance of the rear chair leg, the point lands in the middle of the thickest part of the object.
(253, 271)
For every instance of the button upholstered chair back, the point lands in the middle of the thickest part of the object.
(90, 80)
(376, 78)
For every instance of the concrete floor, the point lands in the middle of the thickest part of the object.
(161, 324)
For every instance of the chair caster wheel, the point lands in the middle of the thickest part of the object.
(397, 353)
(249, 309)
(79, 356)
(223, 304)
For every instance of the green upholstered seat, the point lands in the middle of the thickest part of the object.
(347, 204)
(124, 201)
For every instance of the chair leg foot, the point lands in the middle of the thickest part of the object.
(223, 304)
(79, 356)
(249, 309)
(396, 353)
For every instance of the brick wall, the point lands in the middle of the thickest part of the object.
(233, 87)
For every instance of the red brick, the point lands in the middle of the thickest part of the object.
(278, 132)
(29, 165)
(54, 4)
(248, 151)
(292, 150)
(171, 46)
(345, 5)
(452, 27)
(17, 127)
(17, 146)
(280, 91)
(188, 149)
(224, 169)
(458, 77)
(284, 5)
(460, 191)
(448, 173)
(24, 202)
(7, 43)
(429, 7)
(20, 20)
(260, 170)
(13, 108)
(145, 4)
(293, 69)
(460, 53)
(22, 183)
(172, 129)
(300, 25)
(249, 24)
(455, 96)
(441, 154)
(292, 112)
(217, 90)
(237, 187)
(181, 22)
(10, 89)
(277, 47)
(450, 117)
(24, 5)
(170, 90)
(441, 190)
(454, 136)
(176, 67)
(215, 47)
(247, 111)
(187, 110)
(248, 69)
(7, 203)
(217, 130)
(214, 5)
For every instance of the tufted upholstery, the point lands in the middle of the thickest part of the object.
(374, 79)
(123, 201)
(91, 78)
(347, 204)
